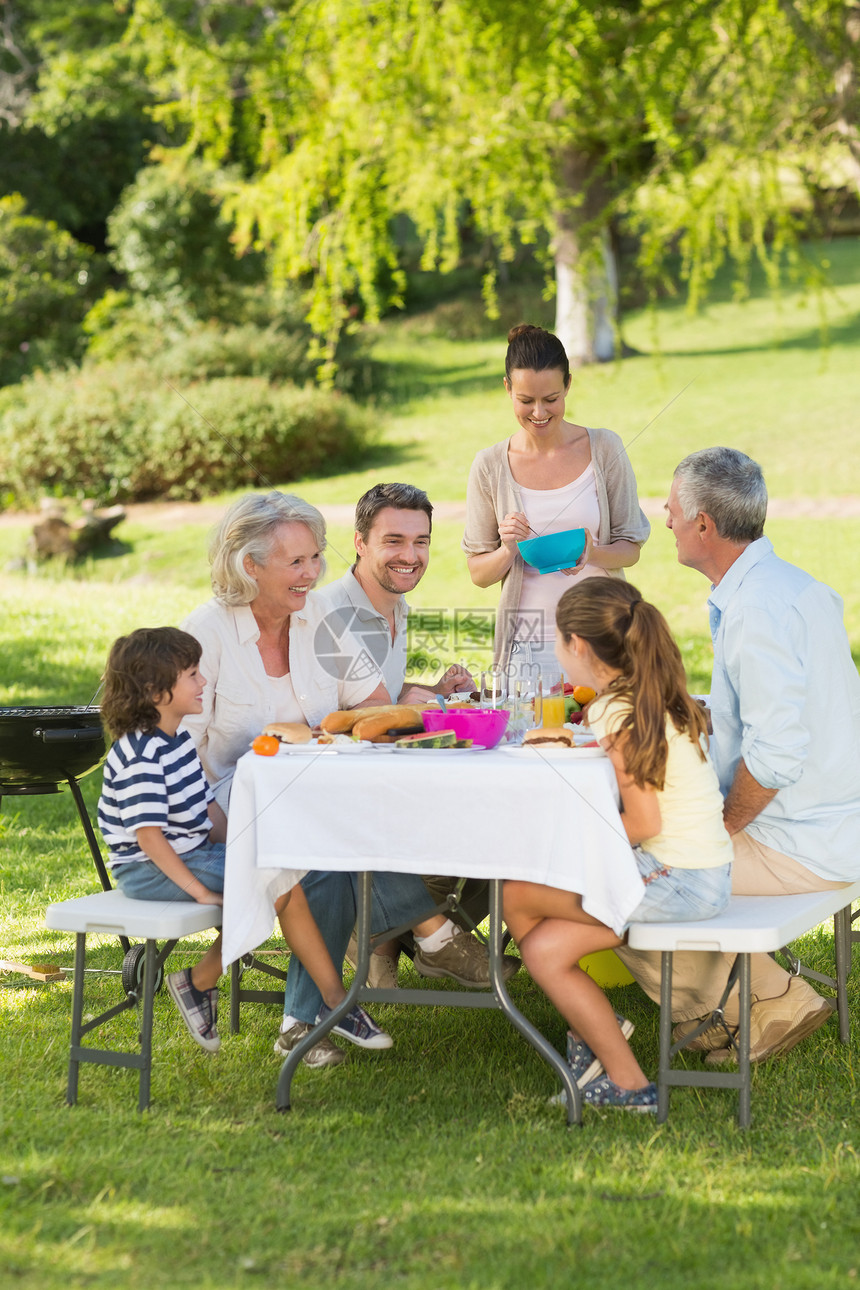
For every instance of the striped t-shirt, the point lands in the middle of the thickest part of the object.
(153, 780)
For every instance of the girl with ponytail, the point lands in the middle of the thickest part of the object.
(611, 639)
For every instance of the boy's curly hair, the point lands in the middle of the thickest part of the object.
(140, 666)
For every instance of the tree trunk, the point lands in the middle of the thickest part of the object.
(586, 274)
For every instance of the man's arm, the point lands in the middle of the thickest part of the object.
(457, 680)
(745, 800)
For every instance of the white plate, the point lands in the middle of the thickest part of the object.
(549, 750)
(313, 749)
(474, 749)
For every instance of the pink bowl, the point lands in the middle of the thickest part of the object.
(484, 726)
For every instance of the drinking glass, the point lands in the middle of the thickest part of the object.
(494, 688)
(524, 701)
(552, 696)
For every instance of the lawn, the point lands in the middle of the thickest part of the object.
(439, 1163)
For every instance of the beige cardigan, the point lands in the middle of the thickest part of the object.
(492, 493)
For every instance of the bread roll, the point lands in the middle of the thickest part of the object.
(289, 732)
(549, 736)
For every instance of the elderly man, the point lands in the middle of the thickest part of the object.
(785, 707)
(393, 524)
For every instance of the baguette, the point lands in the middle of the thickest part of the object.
(344, 722)
(375, 725)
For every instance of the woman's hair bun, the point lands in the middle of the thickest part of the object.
(522, 329)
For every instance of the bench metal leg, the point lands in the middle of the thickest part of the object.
(150, 957)
(77, 1015)
(665, 1036)
(744, 1010)
(843, 936)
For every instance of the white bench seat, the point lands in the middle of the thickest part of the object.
(749, 925)
(113, 914)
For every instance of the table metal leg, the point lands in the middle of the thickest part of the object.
(516, 1018)
(318, 1032)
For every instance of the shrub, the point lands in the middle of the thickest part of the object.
(114, 434)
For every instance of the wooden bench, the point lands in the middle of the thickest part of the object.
(111, 913)
(749, 925)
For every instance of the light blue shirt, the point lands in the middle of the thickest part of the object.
(785, 697)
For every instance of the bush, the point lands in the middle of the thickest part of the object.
(114, 434)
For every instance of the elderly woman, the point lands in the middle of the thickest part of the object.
(270, 654)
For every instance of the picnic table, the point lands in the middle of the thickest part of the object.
(495, 815)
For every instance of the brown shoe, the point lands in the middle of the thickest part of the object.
(325, 1053)
(776, 1025)
(464, 959)
(715, 1037)
(381, 970)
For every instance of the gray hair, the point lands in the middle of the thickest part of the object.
(729, 487)
(249, 528)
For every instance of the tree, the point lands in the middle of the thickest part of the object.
(47, 283)
(542, 124)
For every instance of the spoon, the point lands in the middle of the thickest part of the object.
(442, 704)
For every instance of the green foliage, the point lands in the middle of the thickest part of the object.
(117, 432)
(173, 245)
(47, 282)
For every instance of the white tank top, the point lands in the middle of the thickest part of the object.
(552, 510)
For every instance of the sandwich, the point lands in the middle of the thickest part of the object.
(549, 737)
(289, 732)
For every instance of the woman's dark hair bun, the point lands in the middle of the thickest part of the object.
(521, 329)
(533, 349)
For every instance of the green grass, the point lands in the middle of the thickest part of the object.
(439, 1163)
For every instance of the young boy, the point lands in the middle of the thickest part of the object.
(164, 831)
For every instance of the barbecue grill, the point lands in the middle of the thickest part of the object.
(43, 749)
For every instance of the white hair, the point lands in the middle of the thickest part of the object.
(249, 528)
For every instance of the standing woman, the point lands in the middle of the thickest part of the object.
(549, 476)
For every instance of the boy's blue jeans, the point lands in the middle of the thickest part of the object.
(333, 900)
(143, 880)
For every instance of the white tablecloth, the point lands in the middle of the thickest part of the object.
(548, 819)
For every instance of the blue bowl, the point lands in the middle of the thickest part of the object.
(553, 551)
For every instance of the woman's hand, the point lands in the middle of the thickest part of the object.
(586, 554)
(514, 528)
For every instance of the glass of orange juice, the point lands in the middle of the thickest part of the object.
(552, 696)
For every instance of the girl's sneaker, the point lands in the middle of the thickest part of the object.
(584, 1066)
(602, 1092)
(358, 1028)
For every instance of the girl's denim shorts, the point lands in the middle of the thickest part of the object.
(143, 880)
(679, 895)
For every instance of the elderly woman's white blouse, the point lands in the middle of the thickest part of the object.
(329, 669)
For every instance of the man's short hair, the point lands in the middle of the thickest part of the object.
(403, 497)
(729, 487)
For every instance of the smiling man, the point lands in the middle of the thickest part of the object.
(785, 708)
(393, 525)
